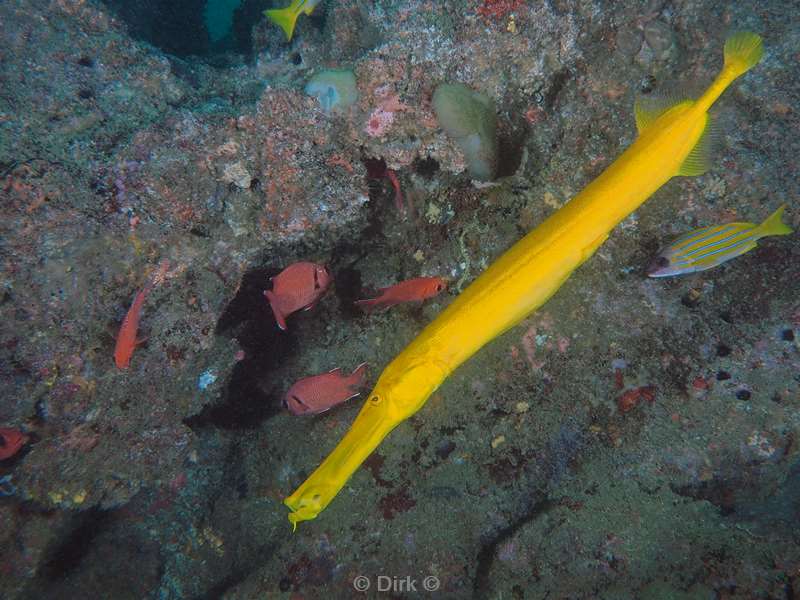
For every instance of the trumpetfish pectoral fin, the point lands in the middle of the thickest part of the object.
(648, 109)
(700, 158)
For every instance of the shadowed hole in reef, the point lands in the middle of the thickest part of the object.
(427, 167)
(67, 556)
(509, 150)
(245, 404)
(348, 290)
(204, 29)
(177, 28)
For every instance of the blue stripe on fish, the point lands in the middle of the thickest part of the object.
(702, 235)
(725, 249)
(694, 260)
(695, 248)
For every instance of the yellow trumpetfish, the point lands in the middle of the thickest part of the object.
(673, 140)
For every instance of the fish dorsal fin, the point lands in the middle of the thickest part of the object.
(699, 159)
(648, 108)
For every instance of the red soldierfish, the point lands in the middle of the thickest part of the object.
(318, 393)
(410, 290)
(297, 287)
(12, 441)
(126, 340)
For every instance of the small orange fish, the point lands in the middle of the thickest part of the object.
(297, 287)
(12, 440)
(410, 290)
(126, 340)
(316, 394)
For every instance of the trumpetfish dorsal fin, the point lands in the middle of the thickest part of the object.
(647, 109)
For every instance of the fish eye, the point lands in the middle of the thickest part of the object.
(439, 287)
(375, 399)
(662, 261)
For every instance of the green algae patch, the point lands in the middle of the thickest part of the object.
(334, 88)
(469, 118)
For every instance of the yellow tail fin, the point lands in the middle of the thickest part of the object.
(773, 225)
(743, 50)
(283, 17)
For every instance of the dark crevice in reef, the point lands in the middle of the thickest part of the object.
(718, 492)
(248, 318)
(481, 585)
(557, 83)
(426, 167)
(177, 28)
(348, 289)
(510, 144)
(245, 16)
(67, 556)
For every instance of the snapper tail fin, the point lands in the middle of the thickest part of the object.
(743, 50)
(774, 225)
(285, 18)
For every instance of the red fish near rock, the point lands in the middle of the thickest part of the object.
(316, 394)
(126, 339)
(12, 440)
(410, 290)
(297, 287)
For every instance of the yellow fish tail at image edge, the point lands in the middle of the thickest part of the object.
(671, 142)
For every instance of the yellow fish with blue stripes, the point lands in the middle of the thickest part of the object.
(711, 246)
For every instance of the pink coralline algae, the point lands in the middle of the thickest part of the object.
(379, 121)
(383, 116)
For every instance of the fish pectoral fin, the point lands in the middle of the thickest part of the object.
(699, 159)
(647, 109)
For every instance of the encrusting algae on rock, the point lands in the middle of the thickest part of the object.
(672, 141)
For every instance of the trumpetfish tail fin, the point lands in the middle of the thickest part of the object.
(743, 50)
(285, 18)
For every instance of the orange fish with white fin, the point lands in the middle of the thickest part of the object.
(318, 393)
(126, 340)
(297, 287)
(411, 290)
